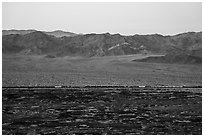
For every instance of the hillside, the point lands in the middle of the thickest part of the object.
(102, 44)
(173, 58)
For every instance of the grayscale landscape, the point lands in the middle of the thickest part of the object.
(144, 80)
(40, 59)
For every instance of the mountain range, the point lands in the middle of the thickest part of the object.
(60, 43)
(56, 33)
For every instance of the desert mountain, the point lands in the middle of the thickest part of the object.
(102, 44)
(57, 33)
(21, 32)
(32, 43)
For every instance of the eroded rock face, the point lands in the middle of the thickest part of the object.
(102, 111)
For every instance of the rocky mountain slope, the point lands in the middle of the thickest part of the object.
(102, 44)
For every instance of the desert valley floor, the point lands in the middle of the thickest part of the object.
(21, 70)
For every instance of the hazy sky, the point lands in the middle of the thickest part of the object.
(124, 18)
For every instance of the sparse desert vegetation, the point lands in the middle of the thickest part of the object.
(115, 111)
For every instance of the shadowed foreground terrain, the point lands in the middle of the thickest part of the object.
(102, 111)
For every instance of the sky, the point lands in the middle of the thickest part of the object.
(125, 18)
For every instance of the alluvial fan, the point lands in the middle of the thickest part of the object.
(101, 111)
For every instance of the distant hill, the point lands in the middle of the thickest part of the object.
(21, 32)
(38, 42)
(60, 33)
(57, 33)
(181, 58)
